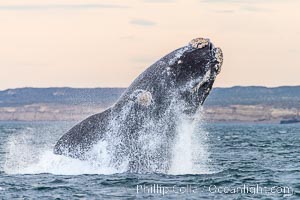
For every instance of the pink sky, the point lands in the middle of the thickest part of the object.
(89, 43)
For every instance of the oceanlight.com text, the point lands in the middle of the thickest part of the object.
(213, 189)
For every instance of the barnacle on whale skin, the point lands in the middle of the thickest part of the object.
(199, 43)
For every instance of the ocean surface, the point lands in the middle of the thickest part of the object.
(235, 161)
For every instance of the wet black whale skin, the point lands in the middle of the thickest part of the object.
(164, 81)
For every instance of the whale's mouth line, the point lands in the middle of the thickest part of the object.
(206, 78)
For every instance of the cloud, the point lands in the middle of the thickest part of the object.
(244, 1)
(224, 1)
(159, 1)
(254, 9)
(224, 11)
(244, 9)
(142, 22)
(127, 37)
(60, 6)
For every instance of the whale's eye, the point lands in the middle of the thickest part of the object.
(142, 97)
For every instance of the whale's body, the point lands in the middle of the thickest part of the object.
(139, 130)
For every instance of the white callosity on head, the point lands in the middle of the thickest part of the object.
(199, 43)
(219, 57)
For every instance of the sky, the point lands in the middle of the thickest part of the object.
(93, 43)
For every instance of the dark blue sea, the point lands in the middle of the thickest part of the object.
(237, 161)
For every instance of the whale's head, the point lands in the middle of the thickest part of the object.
(193, 70)
(186, 74)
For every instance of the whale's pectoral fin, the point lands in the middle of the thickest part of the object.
(83, 136)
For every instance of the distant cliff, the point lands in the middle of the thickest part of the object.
(279, 97)
(245, 104)
(68, 96)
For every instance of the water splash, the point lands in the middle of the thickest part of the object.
(182, 161)
(29, 151)
(26, 156)
(154, 149)
(190, 151)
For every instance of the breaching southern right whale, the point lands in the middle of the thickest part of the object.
(138, 131)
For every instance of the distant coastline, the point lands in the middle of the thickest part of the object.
(236, 104)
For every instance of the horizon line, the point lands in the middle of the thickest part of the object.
(68, 87)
